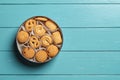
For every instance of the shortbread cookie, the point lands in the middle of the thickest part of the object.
(46, 40)
(51, 25)
(22, 36)
(41, 19)
(57, 37)
(28, 52)
(30, 24)
(41, 56)
(39, 30)
(34, 42)
(52, 50)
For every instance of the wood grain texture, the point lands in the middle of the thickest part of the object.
(66, 63)
(74, 38)
(64, 15)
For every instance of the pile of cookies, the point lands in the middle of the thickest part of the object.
(39, 39)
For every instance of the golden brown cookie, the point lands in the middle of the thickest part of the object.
(46, 40)
(30, 24)
(28, 52)
(52, 50)
(52, 26)
(41, 19)
(57, 37)
(34, 42)
(39, 30)
(41, 56)
(22, 36)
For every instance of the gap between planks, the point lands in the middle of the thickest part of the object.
(73, 51)
(60, 3)
(73, 27)
(59, 74)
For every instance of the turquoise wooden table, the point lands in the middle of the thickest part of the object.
(91, 49)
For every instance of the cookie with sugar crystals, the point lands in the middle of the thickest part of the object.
(22, 36)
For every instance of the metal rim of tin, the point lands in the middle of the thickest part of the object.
(18, 44)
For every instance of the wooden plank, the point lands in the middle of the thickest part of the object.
(114, 1)
(74, 38)
(64, 15)
(54, 1)
(86, 63)
(63, 77)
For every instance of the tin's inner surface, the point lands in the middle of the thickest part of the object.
(39, 39)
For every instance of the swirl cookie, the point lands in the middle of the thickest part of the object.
(34, 42)
(52, 50)
(22, 36)
(28, 52)
(41, 56)
(39, 30)
(57, 37)
(30, 24)
(52, 26)
(46, 40)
